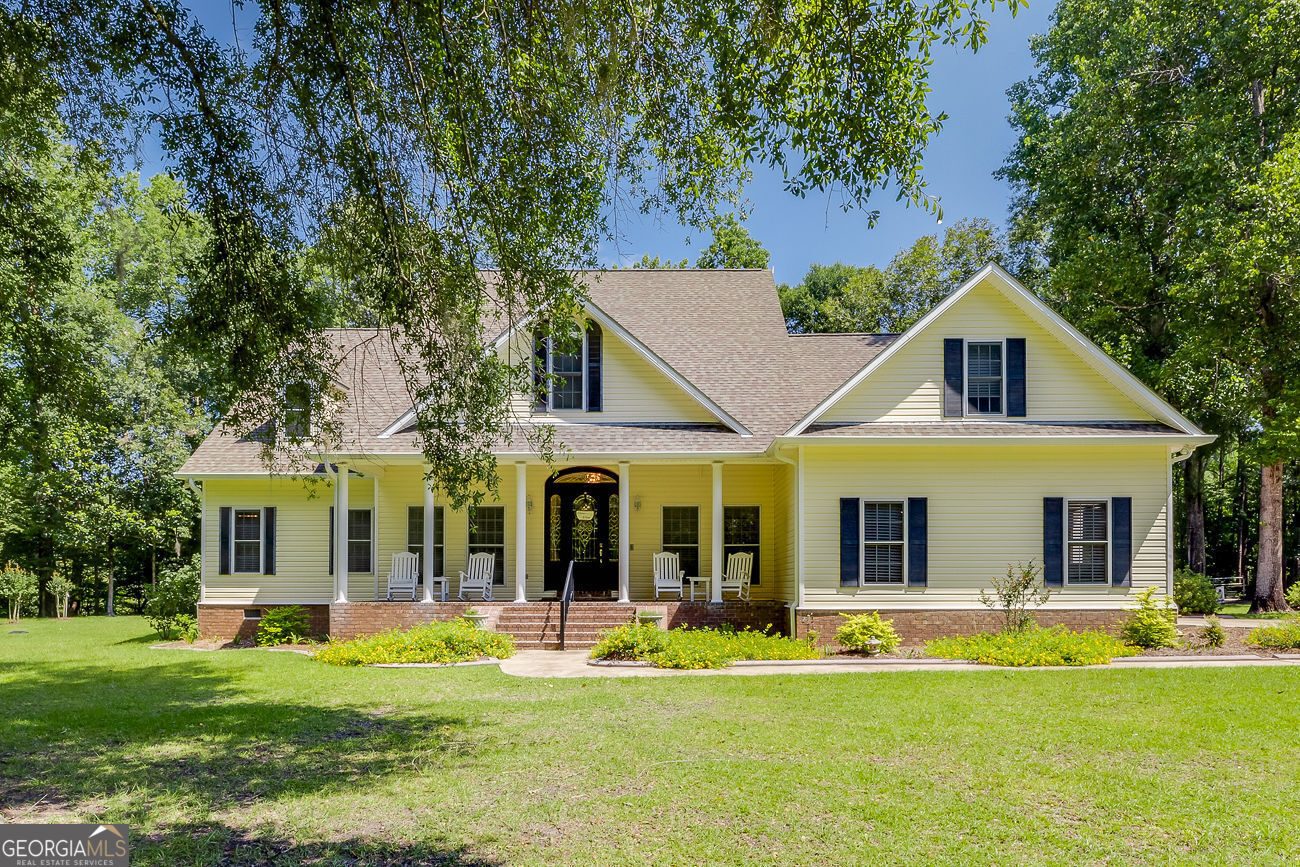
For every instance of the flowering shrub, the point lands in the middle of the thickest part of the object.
(1284, 637)
(857, 630)
(1194, 593)
(1151, 625)
(445, 641)
(697, 648)
(1054, 646)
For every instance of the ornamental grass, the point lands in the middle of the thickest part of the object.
(1033, 647)
(687, 648)
(441, 642)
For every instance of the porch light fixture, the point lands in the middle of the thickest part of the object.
(529, 503)
(636, 504)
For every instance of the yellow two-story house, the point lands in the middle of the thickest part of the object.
(791, 477)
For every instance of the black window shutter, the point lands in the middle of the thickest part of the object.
(593, 367)
(1121, 546)
(917, 541)
(268, 544)
(331, 535)
(539, 371)
(1016, 377)
(223, 561)
(850, 540)
(1053, 542)
(954, 377)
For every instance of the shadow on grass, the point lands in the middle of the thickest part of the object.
(195, 737)
(220, 844)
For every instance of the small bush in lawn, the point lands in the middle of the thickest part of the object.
(1194, 593)
(60, 587)
(698, 648)
(187, 627)
(18, 586)
(1293, 595)
(1014, 594)
(1031, 647)
(175, 593)
(441, 642)
(1212, 633)
(1284, 637)
(857, 630)
(1151, 625)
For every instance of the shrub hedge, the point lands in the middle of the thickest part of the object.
(442, 642)
(1054, 646)
(687, 648)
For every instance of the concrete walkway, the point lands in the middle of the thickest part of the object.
(573, 663)
(1229, 622)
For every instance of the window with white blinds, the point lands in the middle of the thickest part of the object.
(983, 378)
(1087, 529)
(882, 543)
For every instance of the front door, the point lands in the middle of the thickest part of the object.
(582, 528)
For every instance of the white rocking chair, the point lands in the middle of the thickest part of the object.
(740, 568)
(404, 575)
(477, 577)
(668, 574)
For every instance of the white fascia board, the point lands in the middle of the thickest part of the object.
(1110, 369)
(609, 323)
(1003, 439)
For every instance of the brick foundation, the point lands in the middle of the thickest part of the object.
(917, 626)
(228, 621)
(350, 619)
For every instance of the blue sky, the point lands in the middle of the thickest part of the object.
(959, 164)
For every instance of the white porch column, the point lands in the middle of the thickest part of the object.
(341, 534)
(374, 535)
(716, 527)
(428, 541)
(624, 543)
(521, 531)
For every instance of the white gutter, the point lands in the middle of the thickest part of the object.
(203, 538)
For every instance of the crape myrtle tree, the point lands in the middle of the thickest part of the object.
(1156, 169)
(454, 137)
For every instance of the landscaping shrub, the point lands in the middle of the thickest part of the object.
(1151, 625)
(1014, 594)
(1194, 593)
(60, 588)
(1212, 633)
(687, 648)
(442, 642)
(1054, 646)
(1284, 637)
(858, 629)
(187, 627)
(175, 593)
(1293, 595)
(287, 624)
(18, 586)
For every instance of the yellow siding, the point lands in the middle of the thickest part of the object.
(1060, 385)
(786, 525)
(985, 511)
(302, 540)
(631, 390)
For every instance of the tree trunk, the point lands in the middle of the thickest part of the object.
(110, 585)
(1268, 578)
(1194, 497)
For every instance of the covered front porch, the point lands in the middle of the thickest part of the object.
(606, 518)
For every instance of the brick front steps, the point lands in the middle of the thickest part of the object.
(536, 625)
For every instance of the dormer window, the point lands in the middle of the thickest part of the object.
(568, 377)
(297, 410)
(984, 375)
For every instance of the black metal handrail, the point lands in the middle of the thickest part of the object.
(566, 596)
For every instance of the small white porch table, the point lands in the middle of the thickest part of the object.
(441, 583)
(696, 579)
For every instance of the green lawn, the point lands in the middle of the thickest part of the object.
(1242, 609)
(253, 757)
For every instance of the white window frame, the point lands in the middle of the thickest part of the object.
(699, 535)
(261, 541)
(863, 543)
(582, 372)
(757, 578)
(965, 379)
(1065, 534)
(347, 544)
(505, 539)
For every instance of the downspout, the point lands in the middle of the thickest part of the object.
(334, 492)
(203, 542)
(798, 535)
